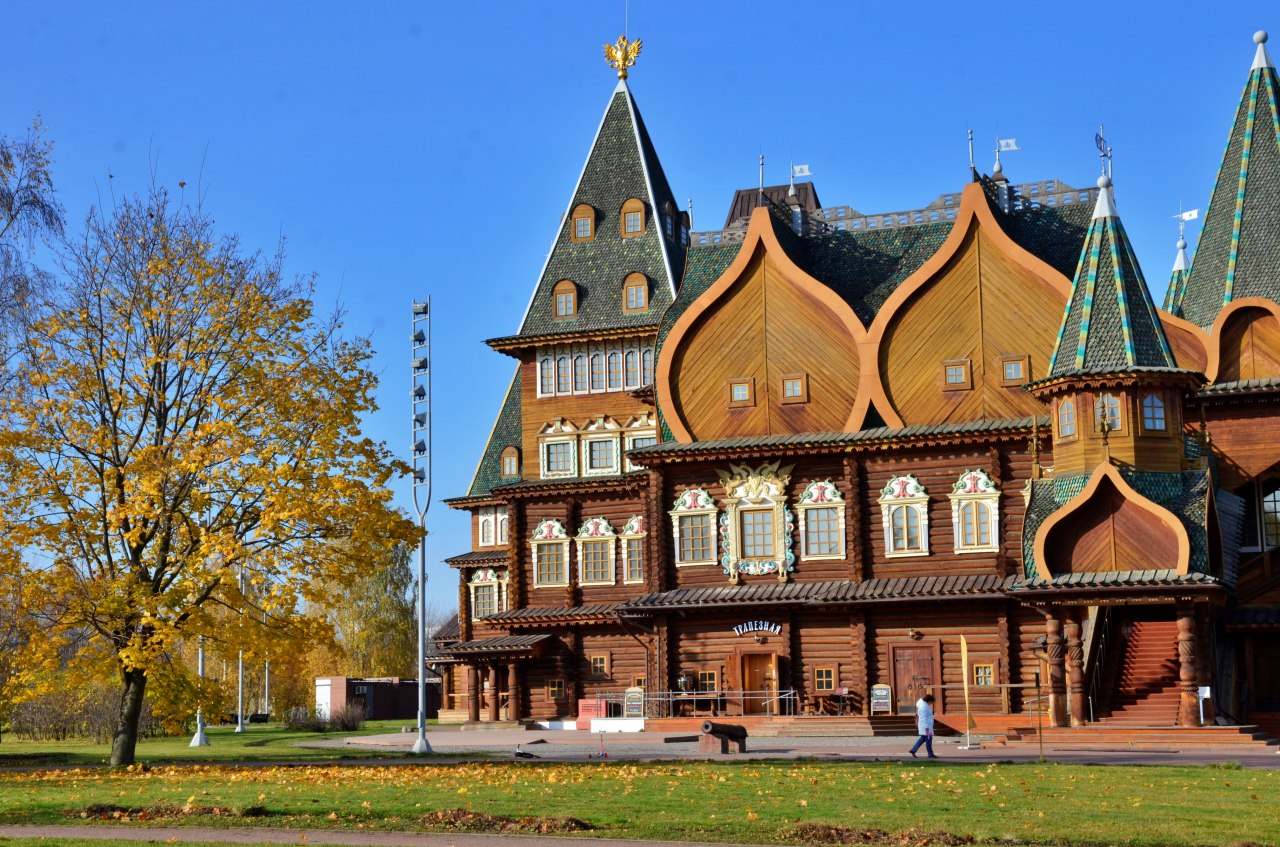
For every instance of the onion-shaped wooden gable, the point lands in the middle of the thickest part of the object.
(1244, 342)
(980, 302)
(763, 325)
(1109, 526)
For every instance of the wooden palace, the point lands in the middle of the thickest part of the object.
(822, 461)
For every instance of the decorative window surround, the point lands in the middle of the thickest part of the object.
(752, 490)
(596, 531)
(1014, 369)
(549, 536)
(558, 431)
(640, 431)
(487, 584)
(957, 375)
(493, 526)
(632, 537)
(603, 430)
(975, 501)
(817, 496)
(905, 492)
(589, 368)
(694, 502)
(502, 524)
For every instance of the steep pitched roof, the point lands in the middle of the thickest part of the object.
(1177, 280)
(506, 431)
(621, 165)
(1239, 250)
(1110, 324)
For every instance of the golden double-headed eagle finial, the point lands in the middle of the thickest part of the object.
(622, 54)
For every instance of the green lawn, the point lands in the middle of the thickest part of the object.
(749, 801)
(258, 743)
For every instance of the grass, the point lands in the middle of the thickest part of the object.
(750, 801)
(258, 743)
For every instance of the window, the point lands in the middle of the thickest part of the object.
(984, 675)
(502, 524)
(566, 297)
(632, 218)
(1107, 408)
(550, 564)
(638, 682)
(1153, 419)
(742, 392)
(757, 534)
(596, 560)
(821, 508)
(580, 373)
(795, 388)
(615, 371)
(584, 223)
(486, 522)
(671, 226)
(708, 681)
(484, 600)
(510, 462)
(546, 377)
(824, 679)
(1014, 369)
(558, 458)
(597, 372)
(633, 369)
(599, 666)
(635, 293)
(1271, 514)
(975, 506)
(564, 377)
(695, 538)
(640, 433)
(684, 236)
(956, 375)
(904, 505)
(1066, 418)
(555, 689)
(692, 521)
(635, 560)
(600, 455)
(646, 363)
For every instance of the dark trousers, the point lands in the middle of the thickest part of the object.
(927, 741)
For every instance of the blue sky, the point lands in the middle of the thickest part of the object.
(410, 149)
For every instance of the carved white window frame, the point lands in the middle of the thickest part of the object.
(694, 501)
(754, 489)
(821, 494)
(558, 431)
(905, 491)
(641, 426)
(597, 530)
(501, 535)
(487, 528)
(550, 532)
(975, 487)
(485, 577)
(633, 531)
(601, 429)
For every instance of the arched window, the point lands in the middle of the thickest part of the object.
(632, 218)
(646, 375)
(1107, 407)
(579, 373)
(1153, 419)
(510, 462)
(597, 372)
(633, 369)
(584, 223)
(906, 528)
(635, 293)
(1067, 418)
(566, 295)
(975, 524)
(904, 506)
(975, 509)
(546, 377)
(615, 371)
(564, 381)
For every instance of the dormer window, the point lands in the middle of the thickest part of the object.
(510, 462)
(584, 223)
(566, 298)
(635, 293)
(632, 220)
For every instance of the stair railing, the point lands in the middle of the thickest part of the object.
(1095, 657)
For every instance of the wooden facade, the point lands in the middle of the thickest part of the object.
(845, 452)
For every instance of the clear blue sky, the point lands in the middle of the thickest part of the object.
(414, 148)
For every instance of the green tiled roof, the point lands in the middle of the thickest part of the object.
(1110, 324)
(1185, 494)
(506, 432)
(621, 165)
(1238, 254)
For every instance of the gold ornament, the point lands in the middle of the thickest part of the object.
(622, 55)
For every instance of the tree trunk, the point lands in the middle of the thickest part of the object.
(125, 741)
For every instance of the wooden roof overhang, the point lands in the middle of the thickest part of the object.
(530, 488)
(479, 558)
(825, 443)
(1238, 391)
(504, 646)
(1257, 619)
(538, 616)
(1120, 588)
(514, 345)
(1138, 375)
(473, 502)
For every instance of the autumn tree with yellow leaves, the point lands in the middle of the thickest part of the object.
(181, 417)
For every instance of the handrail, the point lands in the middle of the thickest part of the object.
(1095, 659)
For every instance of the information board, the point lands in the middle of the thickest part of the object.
(881, 699)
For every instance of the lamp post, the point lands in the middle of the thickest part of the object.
(200, 739)
(421, 456)
(240, 668)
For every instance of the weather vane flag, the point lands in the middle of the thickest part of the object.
(622, 54)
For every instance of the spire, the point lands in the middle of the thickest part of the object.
(1110, 324)
(1238, 254)
(1177, 280)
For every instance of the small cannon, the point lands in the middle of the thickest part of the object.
(716, 737)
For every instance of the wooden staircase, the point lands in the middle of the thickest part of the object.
(1122, 737)
(1144, 682)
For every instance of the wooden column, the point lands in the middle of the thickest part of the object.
(1188, 707)
(518, 554)
(572, 681)
(495, 694)
(1204, 658)
(572, 522)
(1075, 668)
(473, 694)
(657, 530)
(853, 518)
(861, 681)
(515, 696)
(1057, 670)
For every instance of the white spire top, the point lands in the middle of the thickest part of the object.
(1180, 263)
(1261, 59)
(1106, 207)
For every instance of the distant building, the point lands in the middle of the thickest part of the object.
(384, 698)
(784, 462)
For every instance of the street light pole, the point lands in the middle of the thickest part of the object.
(240, 671)
(200, 739)
(421, 455)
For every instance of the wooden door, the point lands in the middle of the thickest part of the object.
(760, 677)
(913, 676)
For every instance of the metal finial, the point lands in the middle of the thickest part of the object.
(622, 54)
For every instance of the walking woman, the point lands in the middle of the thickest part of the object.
(924, 725)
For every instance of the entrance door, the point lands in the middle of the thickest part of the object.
(912, 676)
(760, 678)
